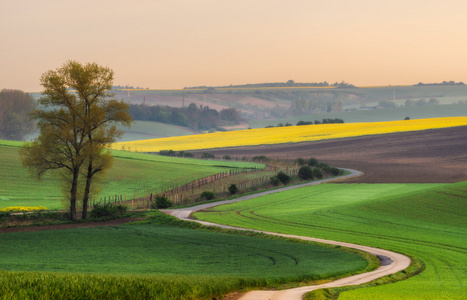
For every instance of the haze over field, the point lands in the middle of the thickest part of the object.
(174, 44)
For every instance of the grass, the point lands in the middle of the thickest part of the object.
(167, 259)
(141, 130)
(132, 173)
(290, 134)
(425, 221)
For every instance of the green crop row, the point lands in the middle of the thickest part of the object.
(425, 221)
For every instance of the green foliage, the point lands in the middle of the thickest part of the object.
(260, 158)
(233, 189)
(317, 173)
(207, 155)
(274, 180)
(167, 152)
(300, 161)
(397, 217)
(284, 178)
(312, 162)
(305, 173)
(206, 195)
(162, 202)
(108, 210)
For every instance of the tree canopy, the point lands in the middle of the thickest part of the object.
(15, 123)
(76, 128)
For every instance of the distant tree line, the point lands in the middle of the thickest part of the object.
(301, 106)
(198, 118)
(15, 106)
(442, 83)
(316, 122)
(289, 83)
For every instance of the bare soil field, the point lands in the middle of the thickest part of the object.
(430, 156)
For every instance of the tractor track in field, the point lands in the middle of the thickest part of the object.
(390, 262)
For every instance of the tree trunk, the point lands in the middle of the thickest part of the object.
(87, 190)
(73, 192)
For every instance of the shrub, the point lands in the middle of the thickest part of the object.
(162, 202)
(335, 171)
(317, 173)
(207, 195)
(305, 173)
(260, 158)
(274, 180)
(167, 153)
(108, 210)
(284, 178)
(312, 162)
(227, 157)
(300, 161)
(207, 155)
(233, 189)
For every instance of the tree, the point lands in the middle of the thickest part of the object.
(14, 120)
(77, 129)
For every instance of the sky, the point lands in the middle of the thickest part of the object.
(162, 44)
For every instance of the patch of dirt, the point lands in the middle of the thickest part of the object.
(429, 156)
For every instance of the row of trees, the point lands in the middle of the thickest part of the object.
(198, 118)
(77, 125)
(289, 83)
(15, 105)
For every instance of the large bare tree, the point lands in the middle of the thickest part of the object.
(76, 128)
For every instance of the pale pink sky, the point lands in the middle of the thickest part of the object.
(173, 44)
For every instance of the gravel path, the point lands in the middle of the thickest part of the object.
(391, 262)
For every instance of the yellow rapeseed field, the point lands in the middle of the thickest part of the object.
(290, 134)
(23, 208)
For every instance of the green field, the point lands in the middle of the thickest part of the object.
(132, 173)
(426, 221)
(377, 115)
(141, 130)
(168, 252)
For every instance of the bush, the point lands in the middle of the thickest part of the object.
(305, 173)
(207, 155)
(335, 171)
(227, 157)
(167, 153)
(233, 189)
(162, 202)
(284, 178)
(207, 195)
(300, 161)
(317, 173)
(260, 158)
(274, 180)
(312, 162)
(108, 210)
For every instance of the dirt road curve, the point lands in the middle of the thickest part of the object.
(391, 262)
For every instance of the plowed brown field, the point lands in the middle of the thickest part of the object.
(429, 156)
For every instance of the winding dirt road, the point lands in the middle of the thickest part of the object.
(391, 262)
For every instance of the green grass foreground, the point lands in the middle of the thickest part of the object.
(160, 258)
(425, 221)
(131, 173)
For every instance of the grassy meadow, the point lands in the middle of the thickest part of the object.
(166, 258)
(290, 134)
(131, 173)
(426, 221)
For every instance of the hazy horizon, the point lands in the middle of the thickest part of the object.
(176, 44)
